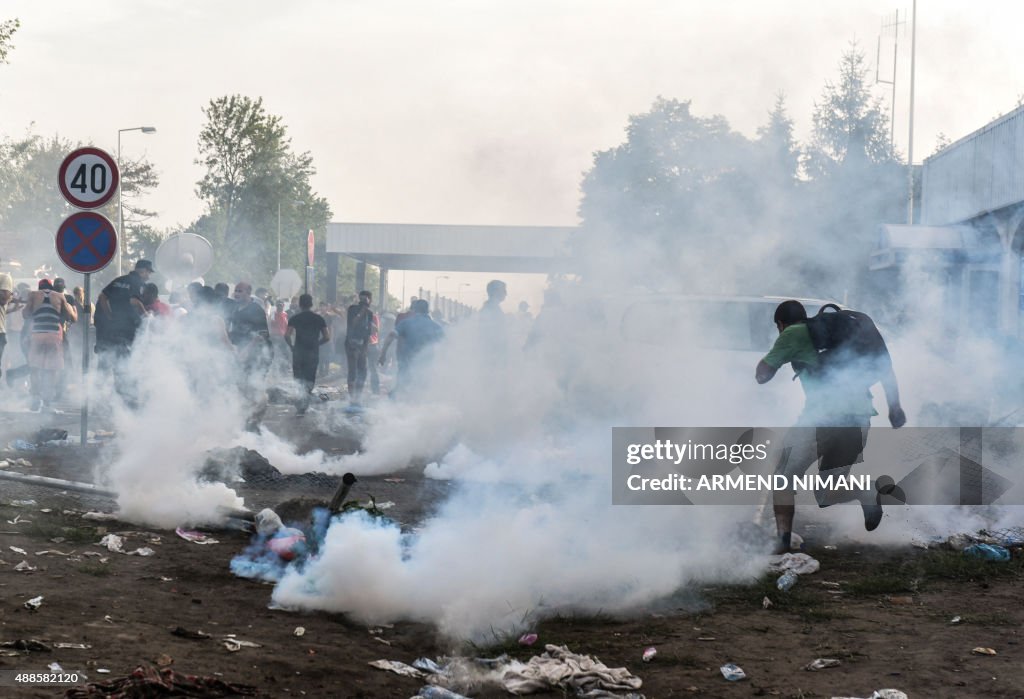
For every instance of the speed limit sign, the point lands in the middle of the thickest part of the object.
(88, 178)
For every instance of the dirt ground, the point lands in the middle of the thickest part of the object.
(886, 615)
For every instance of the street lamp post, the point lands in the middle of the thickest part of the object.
(443, 276)
(120, 206)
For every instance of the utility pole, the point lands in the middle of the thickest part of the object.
(895, 27)
(910, 138)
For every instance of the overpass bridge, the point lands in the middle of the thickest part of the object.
(446, 248)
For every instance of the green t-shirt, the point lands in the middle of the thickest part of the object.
(825, 399)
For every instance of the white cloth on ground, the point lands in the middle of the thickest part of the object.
(799, 563)
(560, 668)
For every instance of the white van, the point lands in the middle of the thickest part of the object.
(699, 354)
(730, 323)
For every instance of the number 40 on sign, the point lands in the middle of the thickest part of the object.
(88, 178)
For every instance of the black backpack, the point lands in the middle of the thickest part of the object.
(844, 337)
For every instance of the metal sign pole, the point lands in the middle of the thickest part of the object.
(85, 360)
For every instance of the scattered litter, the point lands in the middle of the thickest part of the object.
(983, 651)
(34, 603)
(394, 480)
(649, 654)
(103, 671)
(299, 631)
(100, 516)
(196, 537)
(164, 578)
(51, 434)
(46, 510)
(17, 550)
(115, 544)
(787, 580)
(29, 644)
(799, 563)
(109, 619)
(378, 639)
(989, 552)
(57, 539)
(236, 644)
(18, 520)
(73, 646)
(55, 667)
(4, 463)
(21, 445)
(732, 672)
(24, 463)
(25, 567)
(822, 663)
(164, 660)
(955, 620)
(432, 691)
(185, 633)
(112, 542)
(428, 665)
(527, 639)
(164, 682)
(831, 547)
(765, 603)
(560, 668)
(54, 552)
(23, 503)
(398, 668)
(828, 583)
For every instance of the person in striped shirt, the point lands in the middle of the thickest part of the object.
(48, 310)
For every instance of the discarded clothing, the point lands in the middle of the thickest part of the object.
(560, 668)
(799, 563)
(147, 682)
(398, 668)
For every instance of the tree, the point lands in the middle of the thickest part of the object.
(849, 126)
(677, 182)
(7, 30)
(856, 182)
(776, 147)
(251, 171)
(31, 205)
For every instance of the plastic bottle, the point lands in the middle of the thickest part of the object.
(787, 580)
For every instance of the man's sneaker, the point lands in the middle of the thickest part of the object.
(872, 515)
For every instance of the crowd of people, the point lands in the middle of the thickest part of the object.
(269, 338)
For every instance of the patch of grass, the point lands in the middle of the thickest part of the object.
(97, 569)
(72, 535)
(956, 565)
(797, 598)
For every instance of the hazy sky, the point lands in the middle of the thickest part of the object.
(472, 111)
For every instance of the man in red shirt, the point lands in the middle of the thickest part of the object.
(153, 304)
